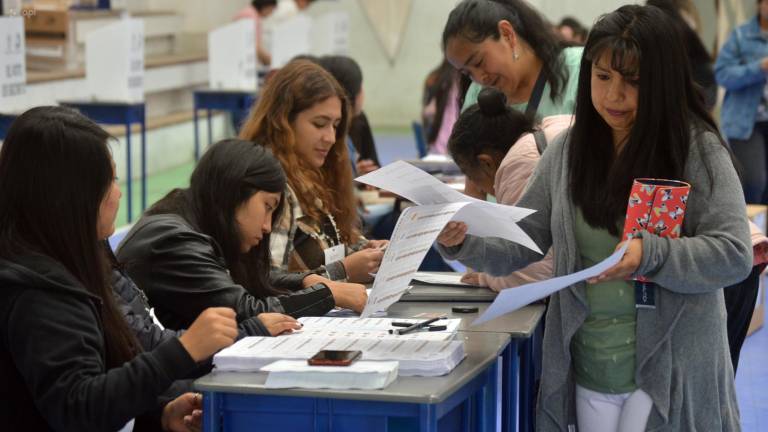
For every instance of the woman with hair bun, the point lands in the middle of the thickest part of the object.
(498, 148)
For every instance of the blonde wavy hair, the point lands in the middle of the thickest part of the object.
(296, 87)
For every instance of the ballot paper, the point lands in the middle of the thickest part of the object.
(511, 299)
(418, 227)
(407, 181)
(416, 357)
(373, 328)
(445, 279)
(365, 375)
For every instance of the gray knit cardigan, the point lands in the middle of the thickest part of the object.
(682, 347)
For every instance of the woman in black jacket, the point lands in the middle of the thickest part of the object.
(69, 361)
(208, 245)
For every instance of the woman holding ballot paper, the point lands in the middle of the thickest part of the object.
(610, 362)
(208, 245)
(302, 115)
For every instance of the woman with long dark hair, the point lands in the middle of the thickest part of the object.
(607, 364)
(508, 45)
(302, 115)
(68, 358)
(208, 245)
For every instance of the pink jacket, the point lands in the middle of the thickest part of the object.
(511, 178)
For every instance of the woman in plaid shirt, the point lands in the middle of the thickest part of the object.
(302, 115)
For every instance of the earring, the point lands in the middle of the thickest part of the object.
(514, 55)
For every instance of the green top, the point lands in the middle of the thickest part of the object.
(603, 348)
(547, 107)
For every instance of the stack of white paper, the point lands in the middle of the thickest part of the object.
(373, 328)
(416, 357)
(366, 375)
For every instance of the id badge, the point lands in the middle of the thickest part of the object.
(645, 295)
(333, 254)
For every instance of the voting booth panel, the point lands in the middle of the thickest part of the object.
(114, 62)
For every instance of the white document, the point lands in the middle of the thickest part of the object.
(415, 231)
(450, 279)
(509, 300)
(13, 70)
(373, 328)
(368, 375)
(232, 56)
(114, 62)
(422, 188)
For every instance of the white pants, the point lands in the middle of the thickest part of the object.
(603, 412)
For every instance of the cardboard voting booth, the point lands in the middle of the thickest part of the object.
(323, 35)
(330, 34)
(114, 62)
(13, 72)
(232, 56)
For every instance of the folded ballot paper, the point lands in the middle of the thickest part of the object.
(364, 375)
(418, 226)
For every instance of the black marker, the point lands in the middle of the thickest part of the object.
(416, 326)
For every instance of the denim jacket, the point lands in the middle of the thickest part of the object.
(738, 70)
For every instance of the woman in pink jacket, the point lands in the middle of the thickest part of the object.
(495, 147)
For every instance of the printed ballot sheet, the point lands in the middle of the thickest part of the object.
(372, 328)
(415, 231)
(418, 227)
(416, 356)
(511, 299)
(422, 188)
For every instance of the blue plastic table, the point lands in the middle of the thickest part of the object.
(232, 101)
(5, 124)
(464, 400)
(122, 113)
(521, 359)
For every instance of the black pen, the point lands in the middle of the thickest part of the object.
(428, 328)
(416, 326)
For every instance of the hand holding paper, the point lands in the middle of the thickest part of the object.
(453, 234)
(510, 300)
(627, 266)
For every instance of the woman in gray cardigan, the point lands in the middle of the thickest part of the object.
(608, 366)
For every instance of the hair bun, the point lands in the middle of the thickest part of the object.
(492, 102)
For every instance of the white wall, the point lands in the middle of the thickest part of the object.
(393, 90)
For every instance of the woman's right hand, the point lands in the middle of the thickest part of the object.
(472, 278)
(214, 329)
(362, 263)
(453, 234)
(348, 295)
(278, 323)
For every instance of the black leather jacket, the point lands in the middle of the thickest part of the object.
(183, 272)
(135, 307)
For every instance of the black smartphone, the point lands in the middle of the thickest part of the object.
(334, 358)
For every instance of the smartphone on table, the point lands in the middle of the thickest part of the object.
(334, 358)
